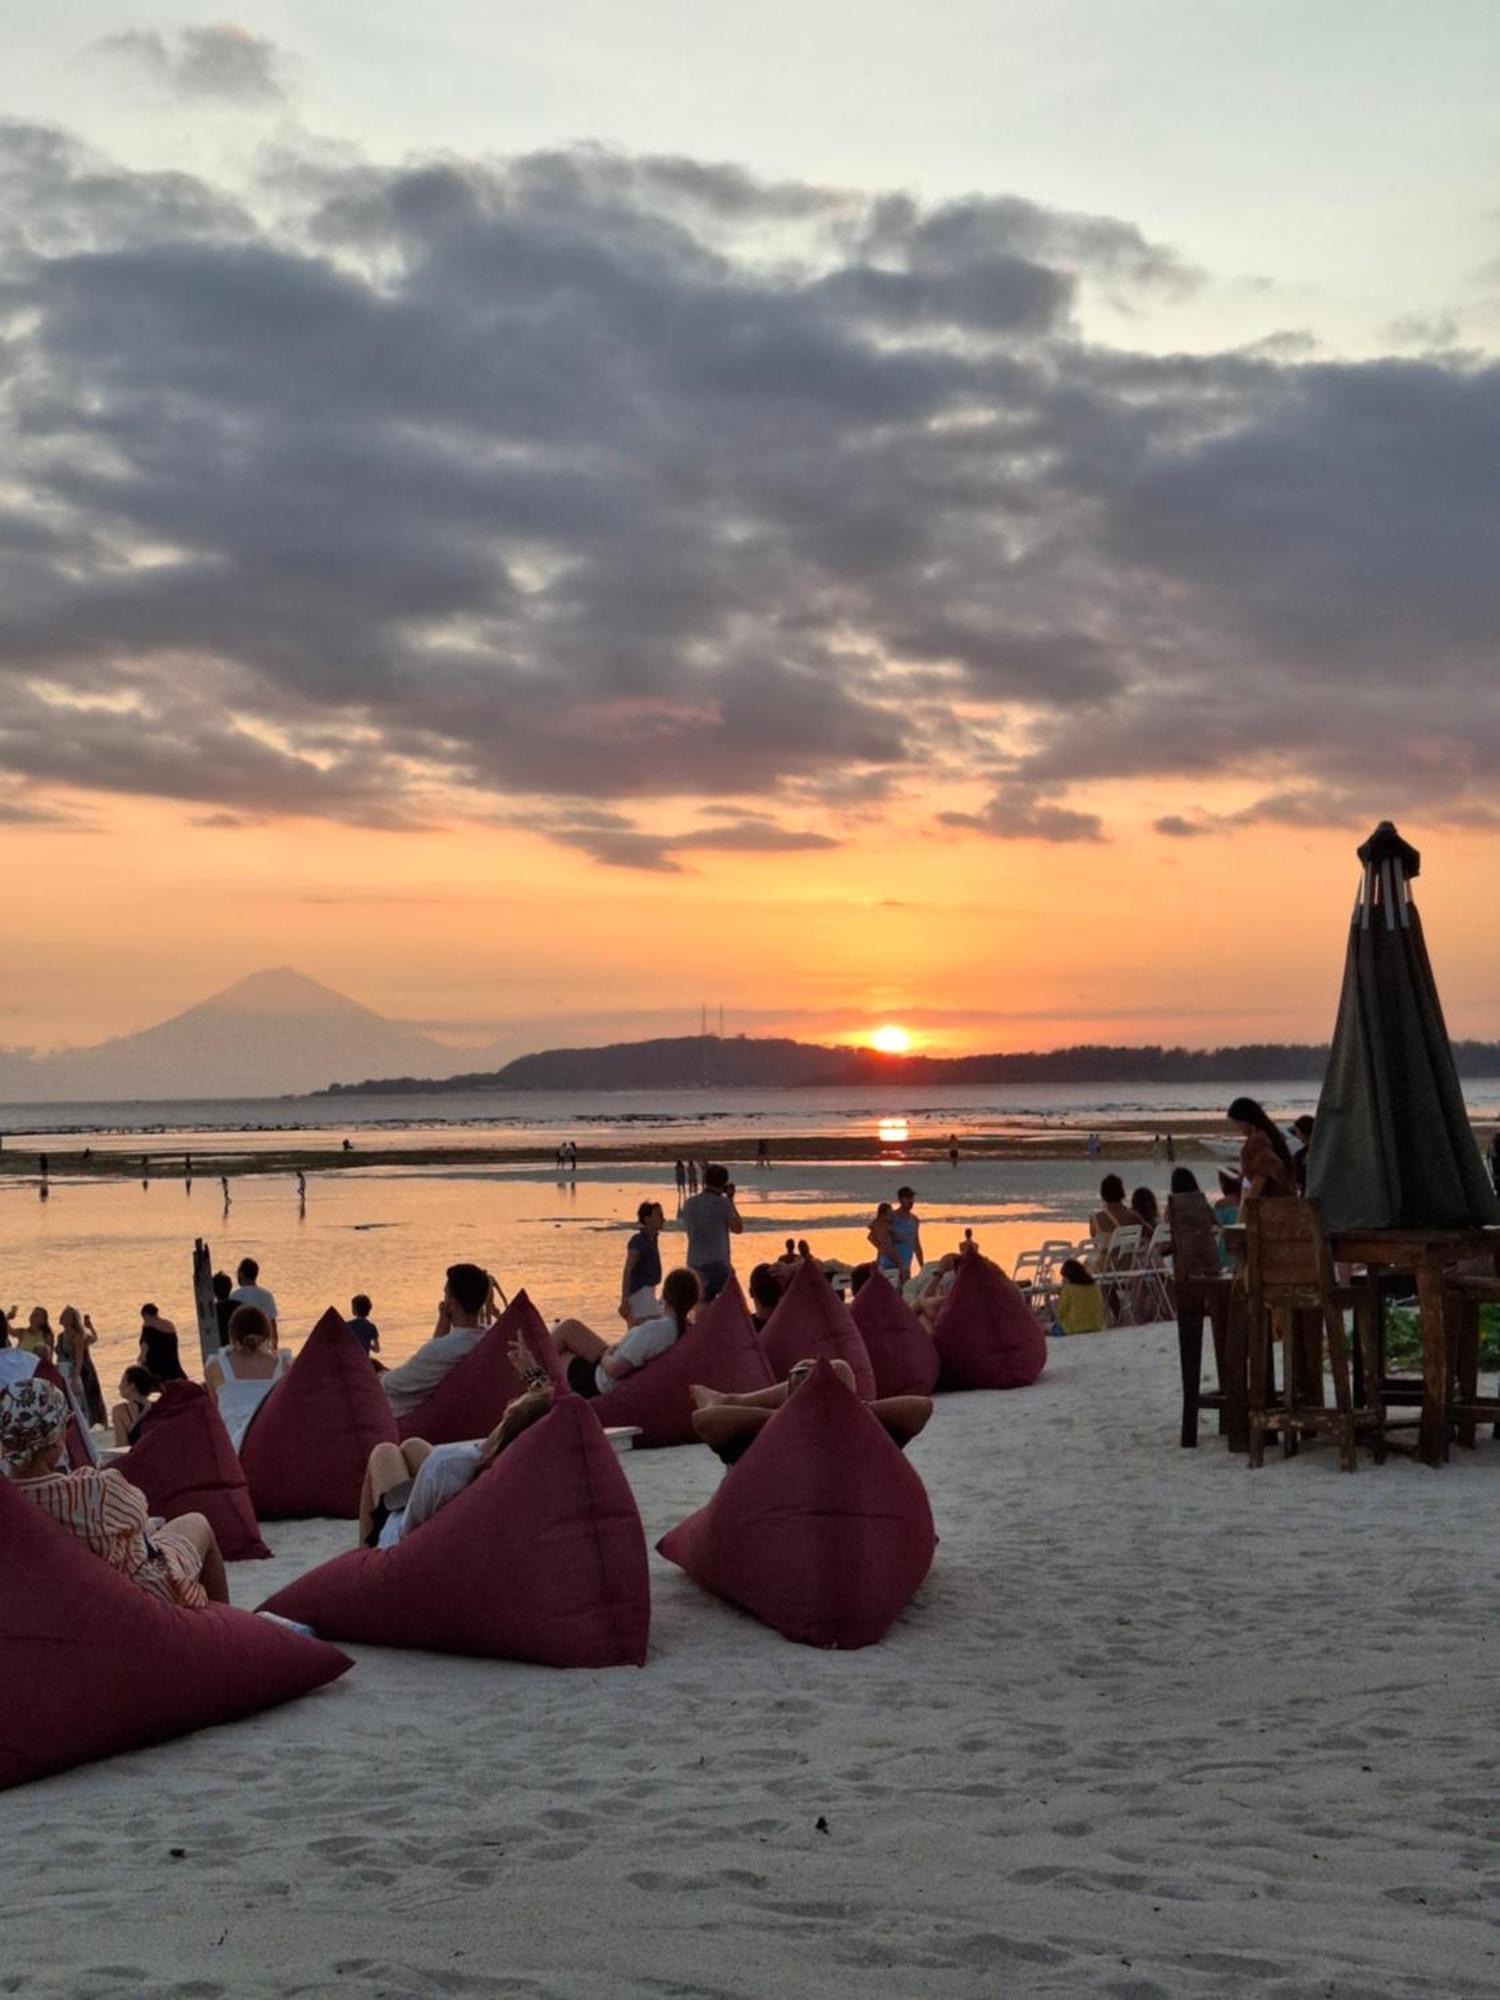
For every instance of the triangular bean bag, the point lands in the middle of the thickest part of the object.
(184, 1464)
(471, 1398)
(307, 1446)
(987, 1337)
(542, 1558)
(822, 1529)
(722, 1349)
(902, 1352)
(812, 1323)
(79, 1445)
(95, 1664)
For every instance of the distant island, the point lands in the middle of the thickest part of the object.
(744, 1062)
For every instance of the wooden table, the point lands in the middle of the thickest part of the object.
(1421, 1254)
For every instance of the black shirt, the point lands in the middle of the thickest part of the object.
(161, 1354)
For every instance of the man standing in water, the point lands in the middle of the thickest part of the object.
(906, 1233)
(710, 1219)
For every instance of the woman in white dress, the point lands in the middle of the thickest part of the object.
(243, 1373)
(406, 1484)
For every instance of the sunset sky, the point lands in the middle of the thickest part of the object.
(543, 517)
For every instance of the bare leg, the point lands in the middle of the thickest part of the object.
(211, 1575)
(573, 1337)
(121, 1417)
(749, 1399)
(390, 1466)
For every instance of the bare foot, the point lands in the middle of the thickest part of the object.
(704, 1399)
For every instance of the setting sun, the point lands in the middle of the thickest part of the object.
(890, 1040)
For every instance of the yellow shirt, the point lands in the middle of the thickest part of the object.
(1080, 1309)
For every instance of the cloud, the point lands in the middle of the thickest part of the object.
(221, 61)
(583, 492)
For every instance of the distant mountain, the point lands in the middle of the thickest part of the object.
(272, 1034)
(742, 1062)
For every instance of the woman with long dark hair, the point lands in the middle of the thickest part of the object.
(1265, 1157)
(595, 1365)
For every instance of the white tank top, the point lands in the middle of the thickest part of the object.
(241, 1396)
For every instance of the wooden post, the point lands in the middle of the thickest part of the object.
(203, 1299)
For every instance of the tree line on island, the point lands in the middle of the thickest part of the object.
(685, 1062)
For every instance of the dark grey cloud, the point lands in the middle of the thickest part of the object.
(577, 491)
(219, 60)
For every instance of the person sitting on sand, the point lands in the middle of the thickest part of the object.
(137, 1388)
(1266, 1167)
(177, 1560)
(462, 1323)
(406, 1484)
(1113, 1212)
(767, 1289)
(642, 1272)
(1080, 1303)
(158, 1348)
(243, 1374)
(595, 1367)
(730, 1422)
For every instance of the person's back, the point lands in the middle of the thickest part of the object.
(249, 1291)
(1080, 1302)
(243, 1374)
(158, 1350)
(710, 1219)
(360, 1324)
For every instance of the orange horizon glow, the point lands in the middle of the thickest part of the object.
(891, 1040)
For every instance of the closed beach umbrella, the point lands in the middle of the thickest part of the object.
(1392, 1146)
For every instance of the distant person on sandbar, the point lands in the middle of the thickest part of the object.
(406, 1484)
(1093, 1148)
(596, 1366)
(302, 1188)
(711, 1218)
(679, 1175)
(224, 1190)
(460, 1326)
(642, 1271)
(249, 1291)
(953, 1151)
(177, 1560)
(1266, 1168)
(762, 1153)
(692, 1175)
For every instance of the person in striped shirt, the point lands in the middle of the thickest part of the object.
(178, 1560)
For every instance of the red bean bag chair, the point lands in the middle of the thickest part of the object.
(721, 1349)
(79, 1448)
(471, 1398)
(183, 1462)
(95, 1664)
(822, 1530)
(902, 1352)
(812, 1323)
(307, 1445)
(987, 1337)
(542, 1558)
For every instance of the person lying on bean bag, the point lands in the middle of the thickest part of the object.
(406, 1484)
(729, 1424)
(595, 1365)
(177, 1560)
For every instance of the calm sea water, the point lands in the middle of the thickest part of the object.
(520, 1117)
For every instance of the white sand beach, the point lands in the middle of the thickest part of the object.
(1154, 1726)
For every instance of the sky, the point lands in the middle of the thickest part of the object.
(551, 517)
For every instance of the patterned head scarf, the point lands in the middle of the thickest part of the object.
(32, 1415)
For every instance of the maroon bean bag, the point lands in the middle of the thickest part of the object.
(471, 1398)
(78, 1448)
(183, 1462)
(902, 1352)
(721, 1349)
(542, 1558)
(307, 1445)
(987, 1337)
(822, 1530)
(812, 1323)
(95, 1664)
